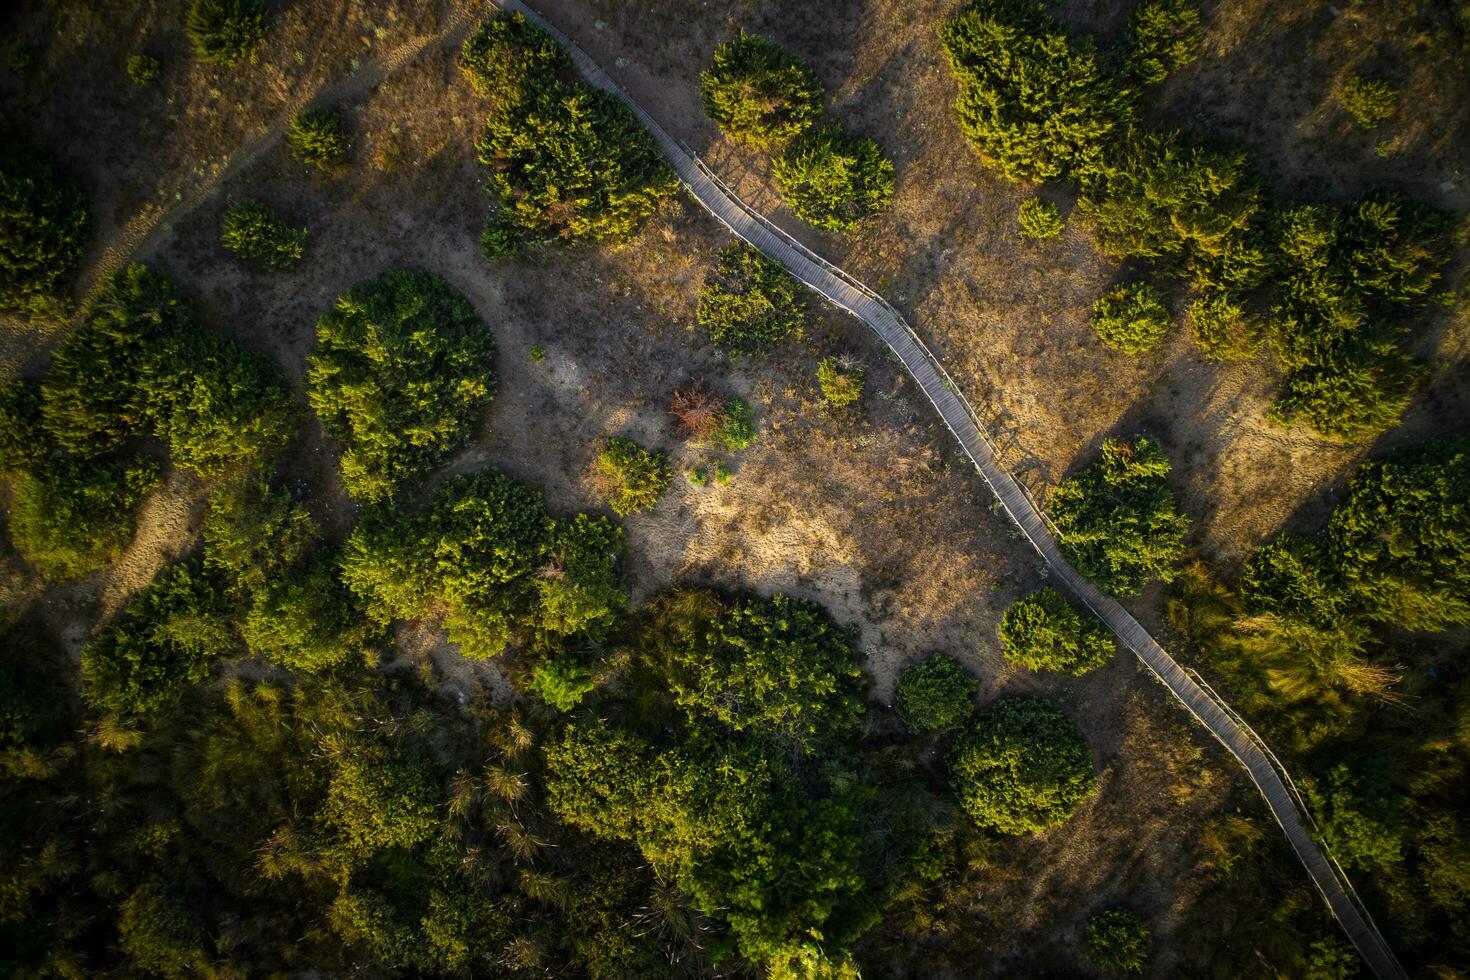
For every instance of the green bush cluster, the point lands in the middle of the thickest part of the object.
(486, 558)
(1035, 103)
(43, 227)
(402, 370)
(1163, 36)
(1039, 105)
(833, 180)
(1116, 520)
(1040, 219)
(840, 381)
(1394, 553)
(750, 303)
(259, 235)
(1021, 767)
(1222, 328)
(779, 667)
(935, 696)
(1350, 278)
(72, 517)
(633, 477)
(562, 681)
(1370, 101)
(318, 138)
(143, 69)
(1131, 317)
(141, 365)
(773, 847)
(1119, 940)
(759, 93)
(168, 639)
(1043, 632)
(567, 161)
(226, 32)
(1189, 209)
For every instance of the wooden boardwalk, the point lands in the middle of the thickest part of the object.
(1197, 698)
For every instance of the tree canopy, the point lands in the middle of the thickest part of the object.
(567, 161)
(778, 667)
(141, 365)
(1043, 632)
(1116, 519)
(759, 93)
(226, 32)
(402, 371)
(833, 180)
(43, 227)
(1349, 280)
(168, 638)
(71, 518)
(1021, 767)
(1035, 103)
(485, 556)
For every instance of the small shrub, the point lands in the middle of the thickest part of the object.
(167, 639)
(699, 476)
(43, 226)
(833, 180)
(735, 426)
(1119, 940)
(225, 32)
(70, 518)
(143, 69)
(1131, 318)
(562, 681)
(1222, 328)
(1369, 101)
(1043, 632)
(1021, 768)
(257, 234)
(841, 381)
(1163, 36)
(750, 303)
(634, 477)
(936, 695)
(538, 353)
(1040, 219)
(318, 137)
(402, 370)
(759, 93)
(721, 472)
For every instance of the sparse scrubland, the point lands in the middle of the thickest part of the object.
(343, 636)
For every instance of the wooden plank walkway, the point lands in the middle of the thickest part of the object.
(846, 292)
